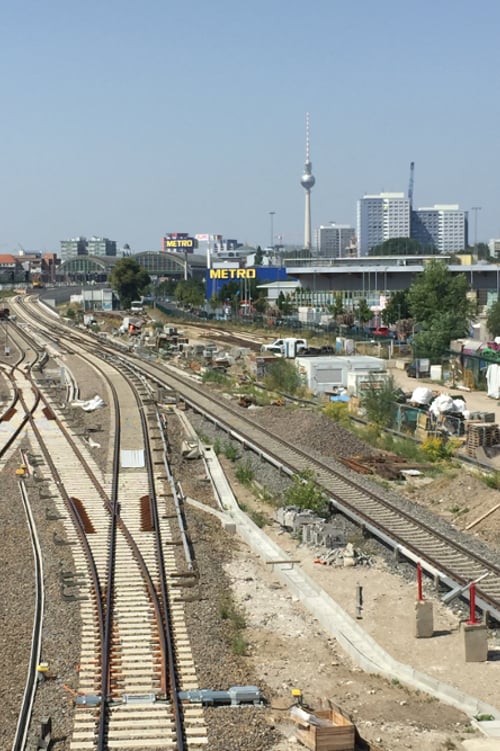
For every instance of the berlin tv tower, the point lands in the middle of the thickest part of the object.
(307, 181)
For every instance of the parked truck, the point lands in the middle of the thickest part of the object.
(288, 347)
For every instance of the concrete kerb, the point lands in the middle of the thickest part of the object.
(361, 647)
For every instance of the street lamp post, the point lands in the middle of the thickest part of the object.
(271, 215)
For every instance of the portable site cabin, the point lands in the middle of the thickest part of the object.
(323, 374)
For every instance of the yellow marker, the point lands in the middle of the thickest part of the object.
(21, 470)
(43, 667)
(297, 694)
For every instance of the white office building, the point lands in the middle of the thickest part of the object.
(335, 240)
(442, 226)
(494, 248)
(381, 217)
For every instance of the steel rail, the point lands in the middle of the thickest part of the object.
(165, 599)
(71, 507)
(28, 700)
(110, 582)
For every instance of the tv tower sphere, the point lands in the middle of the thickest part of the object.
(307, 180)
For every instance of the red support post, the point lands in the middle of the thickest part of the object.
(472, 605)
(419, 582)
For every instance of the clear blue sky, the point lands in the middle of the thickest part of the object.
(130, 119)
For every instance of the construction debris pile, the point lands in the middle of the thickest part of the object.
(319, 533)
(345, 557)
(429, 414)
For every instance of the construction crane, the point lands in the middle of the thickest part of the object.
(410, 185)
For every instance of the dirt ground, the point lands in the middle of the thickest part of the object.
(288, 648)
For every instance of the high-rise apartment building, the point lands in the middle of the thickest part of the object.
(443, 227)
(380, 218)
(80, 246)
(334, 240)
(77, 246)
(101, 246)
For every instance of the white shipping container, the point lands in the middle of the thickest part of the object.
(321, 374)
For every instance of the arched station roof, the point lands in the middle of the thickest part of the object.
(156, 263)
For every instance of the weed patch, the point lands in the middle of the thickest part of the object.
(245, 474)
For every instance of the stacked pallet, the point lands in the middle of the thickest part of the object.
(484, 434)
(325, 730)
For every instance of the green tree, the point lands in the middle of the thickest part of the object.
(190, 292)
(261, 304)
(439, 304)
(259, 256)
(378, 399)
(239, 289)
(397, 307)
(166, 288)
(401, 246)
(128, 280)
(363, 312)
(337, 307)
(284, 303)
(483, 252)
(493, 319)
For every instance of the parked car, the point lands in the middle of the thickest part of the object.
(382, 331)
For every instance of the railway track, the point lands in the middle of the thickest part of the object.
(450, 561)
(239, 433)
(128, 577)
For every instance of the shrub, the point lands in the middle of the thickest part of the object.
(239, 645)
(229, 612)
(492, 481)
(337, 411)
(283, 376)
(305, 493)
(437, 449)
(258, 518)
(231, 452)
(215, 376)
(378, 400)
(244, 473)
